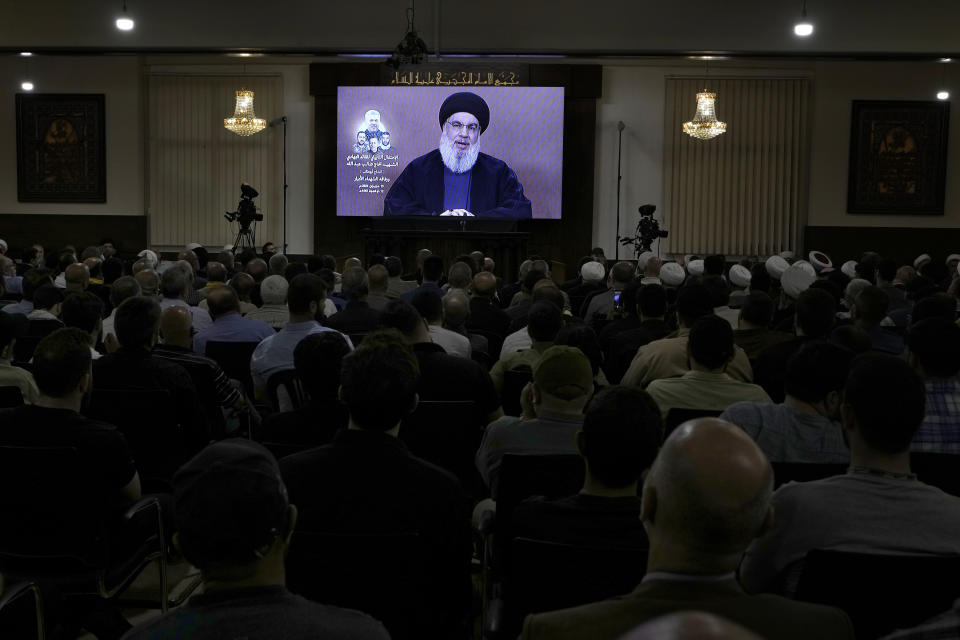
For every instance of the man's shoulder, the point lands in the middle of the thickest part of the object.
(427, 160)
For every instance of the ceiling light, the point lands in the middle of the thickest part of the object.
(412, 49)
(803, 28)
(124, 22)
(244, 121)
(705, 125)
(26, 54)
(26, 85)
(943, 95)
(946, 59)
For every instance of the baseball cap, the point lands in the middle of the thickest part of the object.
(564, 372)
(230, 503)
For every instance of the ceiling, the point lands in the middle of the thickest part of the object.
(844, 28)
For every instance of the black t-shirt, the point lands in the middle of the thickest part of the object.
(446, 377)
(582, 520)
(259, 613)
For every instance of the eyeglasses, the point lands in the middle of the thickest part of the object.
(459, 126)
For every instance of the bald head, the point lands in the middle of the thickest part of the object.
(77, 276)
(706, 497)
(216, 272)
(258, 269)
(175, 325)
(379, 278)
(459, 275)
(485, 284)
(690, 625)
(456, 308)
(351, 263)
(221, 301)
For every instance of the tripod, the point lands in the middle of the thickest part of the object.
(246, 238)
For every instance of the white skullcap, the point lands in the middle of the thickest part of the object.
(921, 260)
(796, 280)
(776, 265)
(273, 290)
(849, 268)
(695, 267)
(193, 245)
(672, 274)
(592, 271)
(643, 258)
(952, 256)
(806, 266)
(820, 260)
(149, 256)
(740, 276)
(787, 255)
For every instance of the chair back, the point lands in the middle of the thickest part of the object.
(494, 341)
(378, 573)
(148, 421)
(291, 386)
(677, 416)
(514, 380)
(784, 472)
(234, 359)
(942, 470)
(448, 434)
(880, 592)
(10, 397)
(37, 330)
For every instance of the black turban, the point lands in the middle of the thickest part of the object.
(468, 103)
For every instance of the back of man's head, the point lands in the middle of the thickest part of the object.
(258, 269)
(112, 270)
(621, 274)
(378, 278)
(460, 275)
(378, 381)
(354, 284)
(816, 311)
(77, 277)
(221, 301)
(173, 283)
(531, 279)
(33, 280)
(934, 344)
(403, 317)
(719, 293)
(757, 309)
(622, 431)
(544, 321)
(711, 342)
(432, 269)
(188, 256)
(429, 304)
(693, 302)
(885, 398)
(216, 272)
(304, 289)
(47, 297)
(546, 290)
(394, 266)
(317, 360)
(60, 361)
(136, 322)
(67, 258)
(817, 369)
(708, 492)
(652, 301)
(468, 260)
(713, 265)
(149, 282)
(870, 306)
(82, 310)
(456, 308)
(938, 305)
(887, 269)
(759, 278)
(278, 264)
(485, 285)
(295, 269)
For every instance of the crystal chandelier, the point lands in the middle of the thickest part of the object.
(705, 125)
(244, 121)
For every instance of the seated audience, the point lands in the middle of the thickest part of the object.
(378, 282)
(234, 523)
(430, 306)
(524, 297)
(356, 316)
(317, 360)
(651, 303)
(122, 288)
(149, 282)
(456, 313)
(485, 312)
(667, 357)
(933, 350)
(552, 413)
(545, 321)
(176, 285)
(76, 277)
(33, 279)
(11, 328)
(710, 350)
(625, 316)
(367, 481)
(273, 291)
(705, 498)
(543, 291)
(278, 264)
(217, 276)
(869, 310)
(720, 299)
(619, 439)
(584, 338)
(84, 311)
(432, 272)
(887, 282)
(878, 506)
(396, 285)
(591, 279)
(442, 376)
(460, 276)
(223, 305)
(601, 303)
(805, 427)
(753, 334)
(305, 299)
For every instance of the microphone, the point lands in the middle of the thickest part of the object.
(621, 126)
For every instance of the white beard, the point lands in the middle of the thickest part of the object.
(458, 163)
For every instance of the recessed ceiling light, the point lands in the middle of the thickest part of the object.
(26, 85)
(26, 54)
(943, 95)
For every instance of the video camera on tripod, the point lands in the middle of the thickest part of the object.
(245, 215)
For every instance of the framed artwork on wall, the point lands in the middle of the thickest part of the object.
(898, 157)
(61, 148)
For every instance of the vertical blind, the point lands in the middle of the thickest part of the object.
(745, 191)
(195, 166)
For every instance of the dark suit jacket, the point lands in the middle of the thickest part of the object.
(356, 317)
(495, 191)
(772, 617)
(485, 315)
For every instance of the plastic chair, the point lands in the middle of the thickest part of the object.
(10, 397)
(942, 470)
(784, 472)
(21, 611)
(378, 573)
(234, 359)
(291, 385)
(880, 592)
(677, 416)
(514, 381)
(446, 433)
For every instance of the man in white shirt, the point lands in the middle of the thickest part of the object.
(430, 305)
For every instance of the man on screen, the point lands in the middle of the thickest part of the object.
(456, 179)
(385, 141)
(373, 124)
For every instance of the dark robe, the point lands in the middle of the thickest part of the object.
(495, 191)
